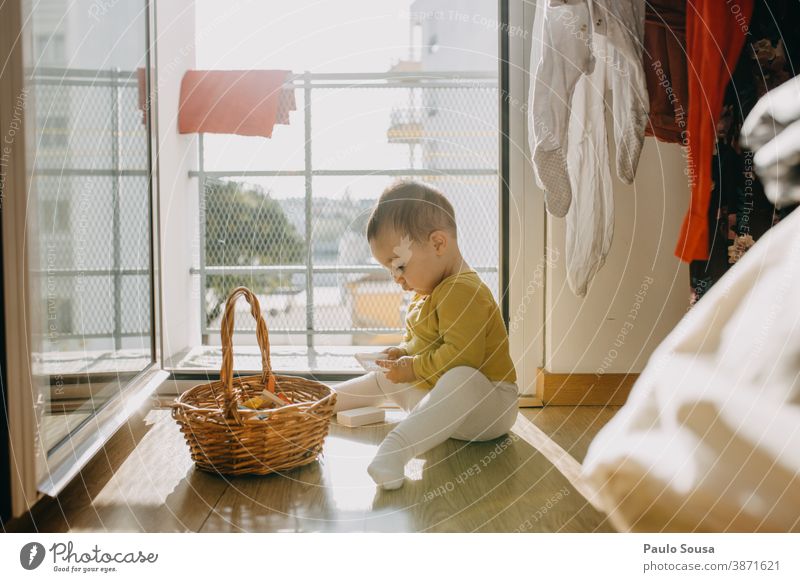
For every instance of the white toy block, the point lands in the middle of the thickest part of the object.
(360, 416)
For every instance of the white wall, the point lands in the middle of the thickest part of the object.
(177, 154)
(643, 289)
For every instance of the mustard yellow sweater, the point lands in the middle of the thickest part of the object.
(458, 324)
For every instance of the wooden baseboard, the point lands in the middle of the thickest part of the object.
(530, 401)
(583, 389)
(551, 389)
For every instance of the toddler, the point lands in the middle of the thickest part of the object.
(452, 372)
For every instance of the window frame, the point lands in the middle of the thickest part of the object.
(64, 461)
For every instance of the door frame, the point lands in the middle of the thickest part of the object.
(21, 421)
(26, 454)
(525, 214)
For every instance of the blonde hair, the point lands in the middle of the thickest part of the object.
(412, 208)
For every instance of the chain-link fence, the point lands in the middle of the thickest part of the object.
(92, 200)
(294, 233)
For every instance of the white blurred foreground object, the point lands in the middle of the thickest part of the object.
(361, 416)
(773, 128)
(709, 439)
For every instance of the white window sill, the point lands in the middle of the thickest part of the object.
(291, 360)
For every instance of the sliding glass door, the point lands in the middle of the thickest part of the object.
(89, 222)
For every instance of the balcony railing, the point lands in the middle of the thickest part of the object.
(91, 174)
(100, 145)
(427, 97)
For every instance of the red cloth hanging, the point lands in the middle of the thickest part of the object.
(234, 102)
(715, 34)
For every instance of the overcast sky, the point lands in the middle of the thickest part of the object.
(349, 125)
(320, 36)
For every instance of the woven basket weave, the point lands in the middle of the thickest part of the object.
(225, 439)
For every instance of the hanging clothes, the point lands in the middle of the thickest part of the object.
(739, 213)
(590, 220)
(715, 35)
(665, 69)
(566, 50)
(559, 58)
(572, 41)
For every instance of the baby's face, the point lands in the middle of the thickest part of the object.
(413, 265)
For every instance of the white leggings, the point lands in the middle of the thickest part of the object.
(464, 404)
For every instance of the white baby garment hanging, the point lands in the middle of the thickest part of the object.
(590, 220)
(572, 39)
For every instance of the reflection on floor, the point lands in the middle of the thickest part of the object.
(54, 427)
(145, 481)
(80, 382)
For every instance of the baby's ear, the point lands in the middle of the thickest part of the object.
(439, 239)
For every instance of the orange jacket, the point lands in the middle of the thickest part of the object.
(715, 35)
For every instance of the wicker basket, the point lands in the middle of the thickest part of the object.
(225, 439)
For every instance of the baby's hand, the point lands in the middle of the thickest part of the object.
(395, 353)
(400, 370)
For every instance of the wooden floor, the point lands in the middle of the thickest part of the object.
(144, 481)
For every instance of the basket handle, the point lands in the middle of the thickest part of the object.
(226, 333)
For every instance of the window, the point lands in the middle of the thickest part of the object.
(433, 45)
(285, 216)
(50, 50)
(59, 316)
(56, 216)
(90, 245)
(55, 133)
